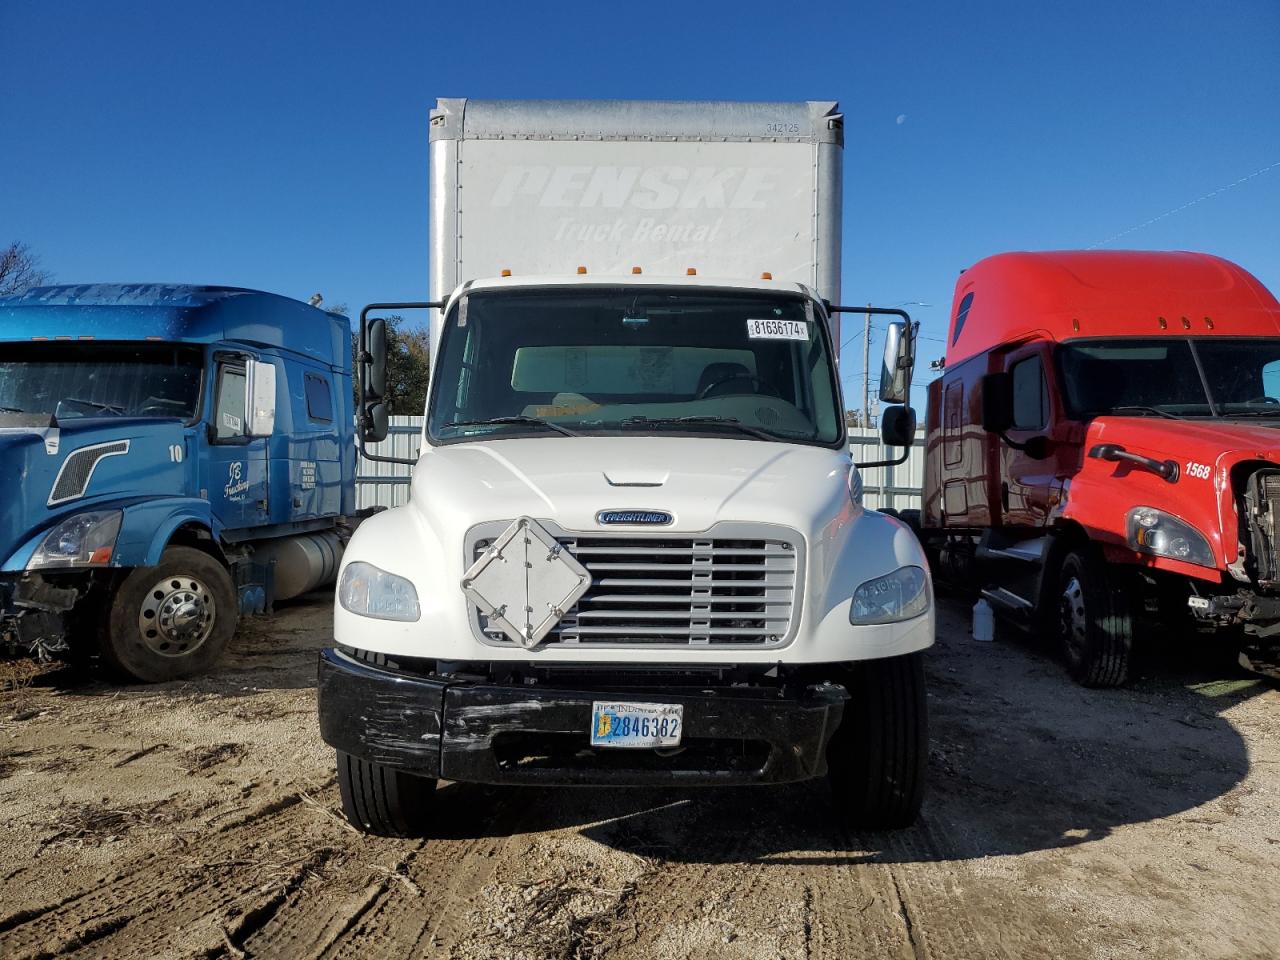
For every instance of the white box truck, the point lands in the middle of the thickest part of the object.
(635, 551)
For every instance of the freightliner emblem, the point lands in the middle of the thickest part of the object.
(646, 517)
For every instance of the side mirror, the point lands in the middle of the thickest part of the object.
(899, 361)
(259, 398)
(997, 402)
(373, 381)
(897, 426)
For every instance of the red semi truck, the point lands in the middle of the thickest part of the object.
(1103, 450)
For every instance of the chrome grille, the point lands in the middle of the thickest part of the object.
(671, 590)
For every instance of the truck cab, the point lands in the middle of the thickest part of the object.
(170, 456)
(635, 550)
(1100, 446)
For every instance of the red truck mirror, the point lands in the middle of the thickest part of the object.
(997, 402)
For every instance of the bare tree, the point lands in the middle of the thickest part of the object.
(19, 269)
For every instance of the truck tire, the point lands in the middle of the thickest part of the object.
(876, 759)
(1094, 621)
(171, 620)
(384, 801)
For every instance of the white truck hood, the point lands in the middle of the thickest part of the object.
(569, 480)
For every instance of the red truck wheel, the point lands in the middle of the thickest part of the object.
(1094, 621)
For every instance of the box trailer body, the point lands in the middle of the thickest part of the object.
(170, 457)
(1102, 447)
(635, 550)
(541, 188)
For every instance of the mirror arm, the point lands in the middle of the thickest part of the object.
(363, 360)
(906, 452)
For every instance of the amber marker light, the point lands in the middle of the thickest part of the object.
(766, 275)
(582, 270)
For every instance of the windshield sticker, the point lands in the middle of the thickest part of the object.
(777, 330)
(230, 421)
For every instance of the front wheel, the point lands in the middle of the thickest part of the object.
(171, 620)
(382, 800)
(876, 760)
(1094, 621)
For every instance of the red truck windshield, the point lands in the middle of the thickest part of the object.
(1192, 377)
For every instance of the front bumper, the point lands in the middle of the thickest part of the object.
(486, 733)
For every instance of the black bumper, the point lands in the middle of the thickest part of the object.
(486, 733)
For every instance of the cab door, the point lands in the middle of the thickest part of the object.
(1027, 484)
(235, 476)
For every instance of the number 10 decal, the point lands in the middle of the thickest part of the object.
(175, 452)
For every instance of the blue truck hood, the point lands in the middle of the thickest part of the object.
(48, 473)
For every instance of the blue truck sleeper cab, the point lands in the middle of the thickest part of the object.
(170, 456)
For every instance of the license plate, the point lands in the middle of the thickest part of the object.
(621, 724)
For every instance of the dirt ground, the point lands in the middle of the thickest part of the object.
(201, 820)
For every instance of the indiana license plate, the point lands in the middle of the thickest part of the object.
(622, 724)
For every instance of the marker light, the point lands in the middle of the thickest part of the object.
(582, 269)
(691, 272)
(766, 275)
(635, 270)
(506, 271)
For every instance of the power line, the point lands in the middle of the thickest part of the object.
(1189, 203)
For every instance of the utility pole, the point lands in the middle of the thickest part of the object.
(866, 371)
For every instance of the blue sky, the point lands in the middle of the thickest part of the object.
(284, 146)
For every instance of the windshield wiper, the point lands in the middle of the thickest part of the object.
(4, 409)
(732, 422)
(1136, 409)
(104, 407)
(498, 421)
(1267, 412)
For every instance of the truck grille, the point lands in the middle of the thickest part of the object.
(698, 590)
(1262, 510)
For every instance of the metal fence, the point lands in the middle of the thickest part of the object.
(387, 484)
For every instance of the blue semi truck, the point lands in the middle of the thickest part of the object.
(171, 457)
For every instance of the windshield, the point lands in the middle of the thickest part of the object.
(69, 380)
(658, 361)
(1241, 377)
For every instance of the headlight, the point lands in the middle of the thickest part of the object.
(81, 540)
(900, 595)
(370, 592)
(1164, 535)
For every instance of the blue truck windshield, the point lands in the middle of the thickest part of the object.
(1193, 377)
(69, 380)
(627, 360)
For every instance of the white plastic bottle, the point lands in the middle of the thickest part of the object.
(984, 621)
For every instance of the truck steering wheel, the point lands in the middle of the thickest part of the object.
(755, 381)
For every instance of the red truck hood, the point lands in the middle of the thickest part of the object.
(1100, 495)
(1181, 440)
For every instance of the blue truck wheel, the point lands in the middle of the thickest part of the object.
(171, 620)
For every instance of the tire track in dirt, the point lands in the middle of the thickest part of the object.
(417, 903)
(160, 905)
